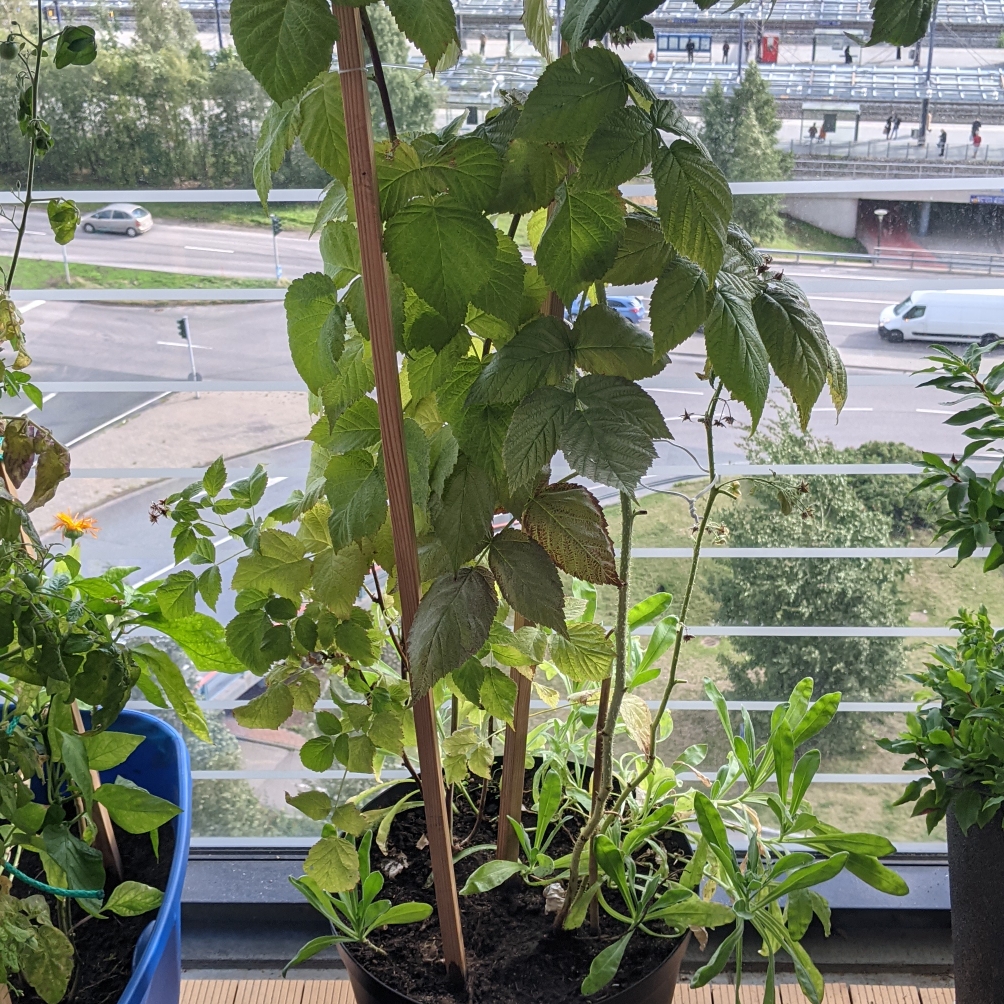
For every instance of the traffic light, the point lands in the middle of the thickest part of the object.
(182, 323)
(276, 225)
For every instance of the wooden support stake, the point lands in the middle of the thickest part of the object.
(105, 838)
(365, 193)
(514, 763)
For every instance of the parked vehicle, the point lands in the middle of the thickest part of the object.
(630, 307)
(119, 218)
(946, 315)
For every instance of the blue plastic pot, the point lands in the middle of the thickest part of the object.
(161, 765)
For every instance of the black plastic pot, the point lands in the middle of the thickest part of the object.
(976, 880)
(656, 988)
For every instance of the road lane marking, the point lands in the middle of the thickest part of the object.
(850, 324)
(673, 390)
(842, 277)
(843, 409)
(184, 345)
(192, 247)
(31, 407)
(117, 418)
(31, 306)
(847, 299)
(933, 411)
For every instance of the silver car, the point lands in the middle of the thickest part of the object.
(118, 218)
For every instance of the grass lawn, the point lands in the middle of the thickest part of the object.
(32, 273)
(799, 236)
(293, 215)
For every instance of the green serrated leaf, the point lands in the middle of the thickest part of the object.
(572, 95)
(611, 345)
(642, 251)
(452, 623)
(284, 43)
(356, 491)
(463, 516)
(679, 303)
(736, 351)
(568, 522)
(322, 126)
(695, 203)
(586, 654)
(579, 243)
(534, 433)
(527, 578)
(443, 250)
(315, 325)
(620, 149)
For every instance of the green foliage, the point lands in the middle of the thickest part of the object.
(956, 735)
(740, 133)
(793, 591)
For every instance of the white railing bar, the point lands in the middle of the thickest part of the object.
(852, 707)
(394, 775)
(291, 775)
(849, 186)
(810, 631)
(799, 552)
(161, 473)
(839, 186)
(665, 475)
(182, 195)
(725, 471)
(142, 386)
(145, 295)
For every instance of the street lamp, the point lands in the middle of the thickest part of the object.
(880, 214)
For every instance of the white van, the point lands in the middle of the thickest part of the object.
(946, 315)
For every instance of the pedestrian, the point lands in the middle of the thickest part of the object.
(725, 52)
(690, 50)
(651, 55)
(896, 123)
(942, 143)
(888, 127)
(975, 131)
(483, 43)
(848, 58)
(899, 52)
(749, 43)
(813, 131)
(977, 139)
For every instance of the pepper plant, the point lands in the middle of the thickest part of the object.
(65, 639)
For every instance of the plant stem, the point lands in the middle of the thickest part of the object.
(29, 184)
(606, 732)
(514, 225)
(709, 418)
(378, 74)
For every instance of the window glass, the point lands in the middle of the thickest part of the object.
(914, 313)
(900, 307)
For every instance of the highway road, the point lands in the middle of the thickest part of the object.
(171, 246)
(248, 341)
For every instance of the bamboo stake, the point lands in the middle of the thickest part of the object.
(105, 836)
(366, 197)
(514, 762)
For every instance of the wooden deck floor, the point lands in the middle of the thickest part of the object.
(339, 992)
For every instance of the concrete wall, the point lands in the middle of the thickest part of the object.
(838, 215)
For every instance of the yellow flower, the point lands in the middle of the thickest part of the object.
(74, 527)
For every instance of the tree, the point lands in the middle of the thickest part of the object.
(161, 23)
(755, 157)
(740, 133)
(782, 591)
(717, 128)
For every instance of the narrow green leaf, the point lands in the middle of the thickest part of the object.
(736, 351)
(679, 303)
(527, 578)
